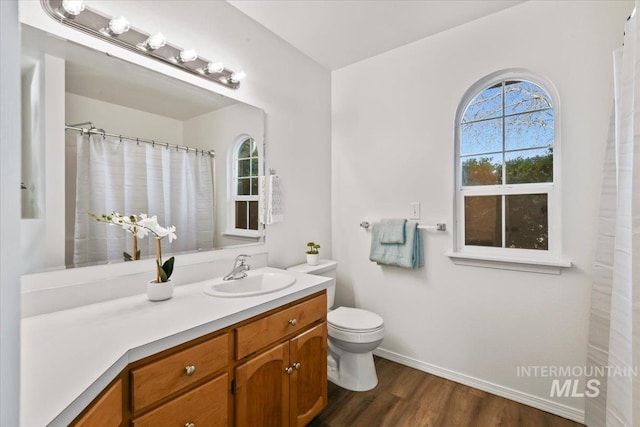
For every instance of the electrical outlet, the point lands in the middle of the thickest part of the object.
(414, 210)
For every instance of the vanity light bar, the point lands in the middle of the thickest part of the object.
(116, 30)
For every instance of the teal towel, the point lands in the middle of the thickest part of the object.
(408, 255)
(393, 231)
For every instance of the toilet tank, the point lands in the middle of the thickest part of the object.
(326, 268)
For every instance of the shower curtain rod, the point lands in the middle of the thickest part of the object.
(95, 131)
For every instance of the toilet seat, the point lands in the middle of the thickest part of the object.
(355, 320)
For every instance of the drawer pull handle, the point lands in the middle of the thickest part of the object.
(297, 366)
(293, 322)
(189, 370)
(189, 425)
(288, 370)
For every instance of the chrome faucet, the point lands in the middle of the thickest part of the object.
(239, 268)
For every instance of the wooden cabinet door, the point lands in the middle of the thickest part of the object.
(308, 355)
(106, 411)
(262, 389)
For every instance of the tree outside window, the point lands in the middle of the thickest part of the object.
(506, 166)
(246, 177)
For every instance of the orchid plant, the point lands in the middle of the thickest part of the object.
(139, 227)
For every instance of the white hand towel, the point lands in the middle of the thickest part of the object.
(262, 205)
(275, 212)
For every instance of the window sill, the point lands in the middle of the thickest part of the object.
(542, 265)
(240, 235)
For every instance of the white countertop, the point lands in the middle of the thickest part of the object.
(68, 357)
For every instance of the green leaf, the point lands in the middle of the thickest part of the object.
(167, 267)
(127, 257)
(163, 275)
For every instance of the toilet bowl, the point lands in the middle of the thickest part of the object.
(353, 334)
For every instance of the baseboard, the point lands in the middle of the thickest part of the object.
(506, 392)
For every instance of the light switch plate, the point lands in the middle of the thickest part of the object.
(414, 210)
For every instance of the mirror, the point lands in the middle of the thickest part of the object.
(128, 106)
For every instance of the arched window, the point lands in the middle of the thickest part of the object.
(507, 164)
(244, 190)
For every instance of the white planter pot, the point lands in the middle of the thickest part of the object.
(313, 259)
(159, 291)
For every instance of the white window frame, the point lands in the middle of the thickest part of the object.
(232, 190)
(542, 261)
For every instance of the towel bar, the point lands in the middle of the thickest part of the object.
(438, 227)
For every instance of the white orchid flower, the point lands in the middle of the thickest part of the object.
(172, 233)
(162, 232)
(141, 232)
(130, 224)
(150, 223)
(140, 225)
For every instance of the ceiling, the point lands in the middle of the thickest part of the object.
(337, 33)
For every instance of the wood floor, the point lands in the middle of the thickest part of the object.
(406, 397)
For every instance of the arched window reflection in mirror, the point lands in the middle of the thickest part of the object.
(244, 189)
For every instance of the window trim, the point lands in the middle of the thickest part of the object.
(232, 196)
(542, 261)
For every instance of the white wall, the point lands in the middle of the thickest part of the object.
(32, 152)
(118, 119)
(219, 130)
(393, 143)
(54, 69)
(10, 264)
(42, 237)
(32, 224)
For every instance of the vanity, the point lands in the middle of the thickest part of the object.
(194, 360)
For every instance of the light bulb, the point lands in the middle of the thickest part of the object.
(118, 25)
(71, 8)
(214, 67)
(154, 42)
(188, 55)
(237, 76)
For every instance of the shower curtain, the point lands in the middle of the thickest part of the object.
(130, 178)
(614, 332)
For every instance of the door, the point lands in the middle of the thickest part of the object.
(308, 356)
(262, 389)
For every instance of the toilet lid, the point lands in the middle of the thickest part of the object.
(354, 319)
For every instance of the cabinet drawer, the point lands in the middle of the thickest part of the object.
(204, 406)
(260, 333)
(106, 411)
(159, 379)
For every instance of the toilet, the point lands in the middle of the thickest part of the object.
(353, 335)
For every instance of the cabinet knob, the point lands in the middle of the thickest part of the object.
(288, 370)
(293, 322)
(189, 370)
(297, 366)
(189, 425)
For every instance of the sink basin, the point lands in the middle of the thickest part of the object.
(253, 284)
